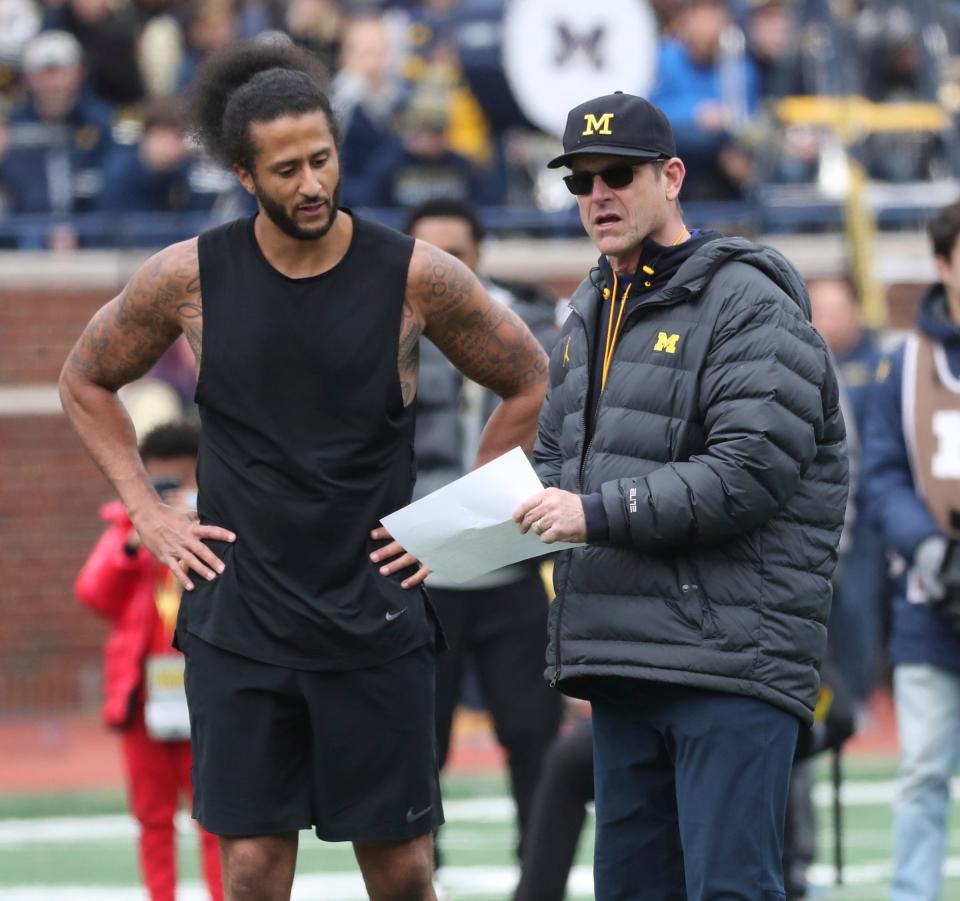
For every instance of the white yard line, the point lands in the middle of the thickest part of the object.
(473, 810)
(460, 882)
(68, 829)
(121, 826)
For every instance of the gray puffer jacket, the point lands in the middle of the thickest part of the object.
(720, 453)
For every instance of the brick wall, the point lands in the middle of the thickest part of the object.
(37, 328)
(50, 646)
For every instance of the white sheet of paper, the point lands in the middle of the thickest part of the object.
(465, 529)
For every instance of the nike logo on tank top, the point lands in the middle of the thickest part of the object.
(305, 446)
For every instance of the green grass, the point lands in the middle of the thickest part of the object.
(100, 850)
(34, 806)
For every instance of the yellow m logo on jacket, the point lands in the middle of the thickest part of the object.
(598, 125)
(666, 343)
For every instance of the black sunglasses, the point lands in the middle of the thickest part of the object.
(580, 183)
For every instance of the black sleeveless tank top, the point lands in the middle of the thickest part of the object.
(305, 446)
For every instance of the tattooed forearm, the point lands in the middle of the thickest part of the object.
(409, 355)
(484, 339)
(128, 335)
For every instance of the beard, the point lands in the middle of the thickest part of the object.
(288, 224)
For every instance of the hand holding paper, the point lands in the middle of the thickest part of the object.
(554, 515)
(466, 528)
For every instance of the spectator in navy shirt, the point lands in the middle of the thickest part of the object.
(59, 136)
(155, 175)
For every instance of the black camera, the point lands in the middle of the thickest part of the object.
(949, 605)
(950, 574)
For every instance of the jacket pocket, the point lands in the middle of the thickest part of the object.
(690, 602)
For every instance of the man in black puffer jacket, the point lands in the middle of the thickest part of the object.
(692, 437)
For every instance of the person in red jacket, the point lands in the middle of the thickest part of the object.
(143, 674)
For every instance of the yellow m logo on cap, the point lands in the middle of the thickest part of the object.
(598, 125)
(666, 343)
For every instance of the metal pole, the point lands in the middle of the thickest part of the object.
(836, 766)
(860, 228)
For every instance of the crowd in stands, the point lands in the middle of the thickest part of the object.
(92, 118)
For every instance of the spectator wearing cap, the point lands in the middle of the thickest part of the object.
(155, 175)
(421, 166)
(435, 32)
(707, 87)
(59, 136)
(692, 438)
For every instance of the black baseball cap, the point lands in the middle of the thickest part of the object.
(617, 124)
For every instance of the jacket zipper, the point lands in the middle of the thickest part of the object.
(559, 600)
(583, 466)
(583, 418)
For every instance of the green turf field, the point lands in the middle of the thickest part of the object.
(81, 848)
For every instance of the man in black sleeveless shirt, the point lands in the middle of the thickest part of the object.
(309, 641)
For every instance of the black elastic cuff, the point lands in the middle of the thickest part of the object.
(598, 527)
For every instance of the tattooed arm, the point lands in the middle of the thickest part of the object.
(121, 343)
(485, 340)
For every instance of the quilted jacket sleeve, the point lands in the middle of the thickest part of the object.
(547, 456)
(768, 396)
(546, 452)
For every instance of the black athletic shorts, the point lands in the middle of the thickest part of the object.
(352, 754)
